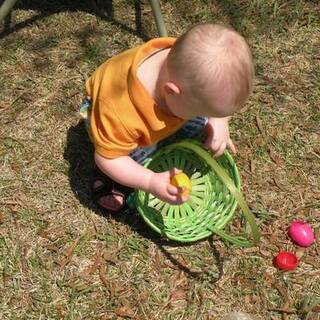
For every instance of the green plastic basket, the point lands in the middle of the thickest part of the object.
(212, 202)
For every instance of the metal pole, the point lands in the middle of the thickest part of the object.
(158, 17)
(6, 7)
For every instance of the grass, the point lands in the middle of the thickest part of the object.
(60, 258)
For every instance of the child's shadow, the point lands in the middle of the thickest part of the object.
(79, 153)
(102, 9)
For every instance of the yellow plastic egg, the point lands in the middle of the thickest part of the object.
(181, 180)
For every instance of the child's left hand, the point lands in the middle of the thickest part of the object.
(218, 138)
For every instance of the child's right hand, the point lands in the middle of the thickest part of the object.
(161, 187)
(218, 138)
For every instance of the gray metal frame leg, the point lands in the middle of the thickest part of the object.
(6, 8)
(158, 17)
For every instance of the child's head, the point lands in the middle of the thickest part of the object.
(210, 72)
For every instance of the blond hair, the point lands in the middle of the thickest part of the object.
(211, 58)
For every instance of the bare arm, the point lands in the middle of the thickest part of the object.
(127, 172)
(218, 138)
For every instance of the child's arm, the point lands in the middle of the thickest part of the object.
(218, 138)
(127, 172)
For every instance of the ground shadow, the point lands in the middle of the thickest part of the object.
(45, 8)
(79, 154)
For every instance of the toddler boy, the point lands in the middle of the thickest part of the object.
(147, 93)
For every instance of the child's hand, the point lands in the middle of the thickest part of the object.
(160, 187)
(218, 138)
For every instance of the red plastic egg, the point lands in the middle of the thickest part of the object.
(301, 233)
(286, 260)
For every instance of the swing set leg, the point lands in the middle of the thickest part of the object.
(158, 17)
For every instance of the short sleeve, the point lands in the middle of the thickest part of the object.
(108, 131)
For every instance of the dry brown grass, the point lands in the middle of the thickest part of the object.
(61, 259)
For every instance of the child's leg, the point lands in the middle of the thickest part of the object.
(192, 129)
(108, 194)
(141, 154)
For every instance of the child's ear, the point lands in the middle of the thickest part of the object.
(171, 88)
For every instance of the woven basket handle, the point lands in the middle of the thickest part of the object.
(241, 241)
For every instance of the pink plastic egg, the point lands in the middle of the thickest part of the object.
(286, 261)
(301, 233)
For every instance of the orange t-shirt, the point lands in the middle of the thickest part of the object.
(124, 116)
